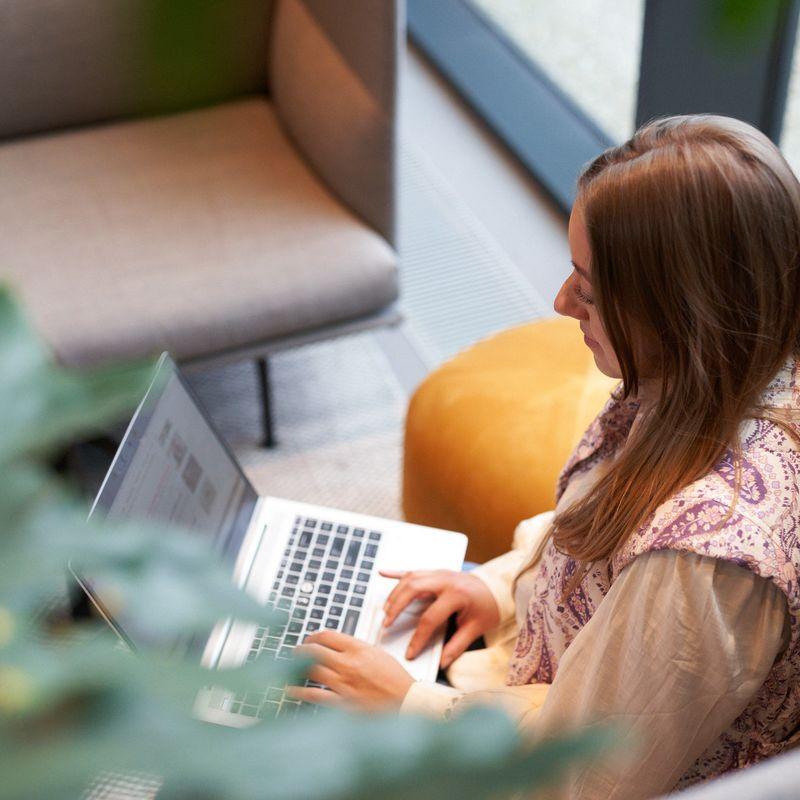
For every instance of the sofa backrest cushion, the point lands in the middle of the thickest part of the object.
(75, 62)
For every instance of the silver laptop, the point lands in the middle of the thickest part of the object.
(319, 564)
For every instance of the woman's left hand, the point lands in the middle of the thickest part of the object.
(359, 675)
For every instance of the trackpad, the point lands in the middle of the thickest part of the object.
(396, 637)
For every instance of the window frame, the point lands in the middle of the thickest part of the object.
(476, 56)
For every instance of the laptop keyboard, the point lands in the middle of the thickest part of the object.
(321, 582)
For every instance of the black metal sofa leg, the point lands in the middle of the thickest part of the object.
(266, 401)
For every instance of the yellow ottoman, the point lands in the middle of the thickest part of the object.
(489, 431)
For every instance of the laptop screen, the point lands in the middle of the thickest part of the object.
(173, 467)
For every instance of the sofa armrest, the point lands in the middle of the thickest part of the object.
(333, 80)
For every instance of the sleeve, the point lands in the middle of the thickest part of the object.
(671, 657)
(438, 700)
(499, 573)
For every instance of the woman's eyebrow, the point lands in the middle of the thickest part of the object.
(580, 270)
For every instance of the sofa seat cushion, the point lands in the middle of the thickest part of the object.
(488, 432)
(196, 233)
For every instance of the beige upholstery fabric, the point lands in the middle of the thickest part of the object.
(74, 62)
(333, 81)
(196, 233)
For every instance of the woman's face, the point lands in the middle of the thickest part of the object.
(574, 299)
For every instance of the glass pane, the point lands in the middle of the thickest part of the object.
(589, 48)
(790, 136)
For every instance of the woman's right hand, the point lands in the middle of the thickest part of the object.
(452, 593)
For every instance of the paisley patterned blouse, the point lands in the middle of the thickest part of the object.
(761, 535)
(700, 541)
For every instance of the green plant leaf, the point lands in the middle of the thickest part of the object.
(73, 704)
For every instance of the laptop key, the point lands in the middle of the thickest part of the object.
(318, 552)
(360, 588)
(357, 601)
(291, 578)
(326, 526)
(362, 576)
(336, 611)
(310, 523)
(331, 563)
(371, 551)
(321, 601)
(324, 588)
(315, 563)
(375, 536)
(352, 553)
(328, 576)
(332, 623)
(288, 591)
(346, 573)
(339, 598)
(295, 627)
(316, 613)
(323, 538)
(350, 622)
(305, 539)
(290, 639)
(337, 546)
(284, 603)
(343, 586)
(312, 626)
(342, 529)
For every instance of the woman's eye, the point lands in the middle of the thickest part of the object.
(582, 296)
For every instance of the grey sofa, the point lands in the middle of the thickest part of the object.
(777, 778)
(214, 178)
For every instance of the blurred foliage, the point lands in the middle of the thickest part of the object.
(736, 26)
(75, 705)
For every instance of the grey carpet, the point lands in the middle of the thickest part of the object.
(338, 413)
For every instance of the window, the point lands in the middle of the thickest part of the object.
(559, 82)
(591, 51)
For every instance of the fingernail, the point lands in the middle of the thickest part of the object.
(409, 653)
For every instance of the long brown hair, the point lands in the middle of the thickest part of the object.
(694, 232)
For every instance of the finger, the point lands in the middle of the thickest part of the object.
(459, 642)
(407, 591)
(313, 694)
(326, 676)
(333, 640)
(402, 586)
(319, 654)
(391, 573)
(435, 616)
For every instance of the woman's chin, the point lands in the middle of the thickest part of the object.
(612, 370)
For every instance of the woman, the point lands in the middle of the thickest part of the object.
(662, 594)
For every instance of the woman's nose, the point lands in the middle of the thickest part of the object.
(567, 304)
